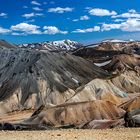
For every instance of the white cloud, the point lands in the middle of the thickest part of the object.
(60, 10)
(3, 15)
(53, 30)
(25, 7)
(130, 25)
(94, 29)
(39, 14)
(85, 17)
(119, 20)
(75, 20)
(4, 31)
(26, 28)
(108, 27)
(35, 3)
(17, 34)
(88, 8)
(132, 11)
(68, 18)
(32, 15)
(101, 12)
(130, 14)
(29, 29)
(28, 21)
(37, 9)
(28, 15)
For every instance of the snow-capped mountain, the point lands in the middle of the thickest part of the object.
(114, 41)
(63, 45)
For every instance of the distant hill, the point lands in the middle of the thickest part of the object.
(6, 44)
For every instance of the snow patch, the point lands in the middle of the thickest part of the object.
(114, 41)
(102, 64)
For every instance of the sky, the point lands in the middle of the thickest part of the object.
(85, 21)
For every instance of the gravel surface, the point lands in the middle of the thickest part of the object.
(73, 134)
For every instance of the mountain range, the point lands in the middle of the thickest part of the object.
(66, 84)
(62, 45)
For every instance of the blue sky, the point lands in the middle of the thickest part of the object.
(86, 21)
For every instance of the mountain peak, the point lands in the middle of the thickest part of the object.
(63, 45)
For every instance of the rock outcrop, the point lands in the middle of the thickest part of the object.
(29, 78)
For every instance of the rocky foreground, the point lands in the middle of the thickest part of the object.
(90, 87)
(73, 134)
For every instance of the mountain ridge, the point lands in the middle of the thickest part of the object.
(63, 45)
